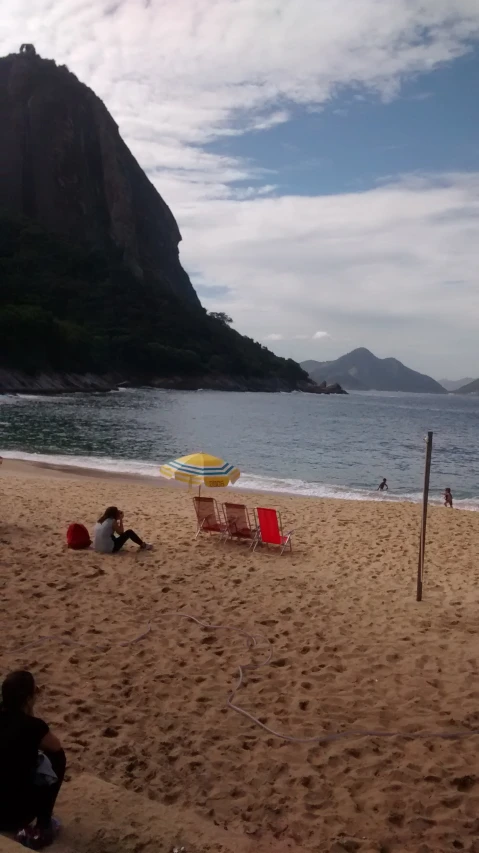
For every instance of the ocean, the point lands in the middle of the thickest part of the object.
(326, 446)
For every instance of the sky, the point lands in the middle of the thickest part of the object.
(321, 158)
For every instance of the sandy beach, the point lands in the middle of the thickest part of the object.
(352, 650)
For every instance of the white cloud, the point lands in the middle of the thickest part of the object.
(179, 75)
(318, 336)
(273, 337)
(394, 268)
(376, 264)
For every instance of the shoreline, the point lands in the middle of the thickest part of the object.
(53, 383)
(348, 495)
(19, 466)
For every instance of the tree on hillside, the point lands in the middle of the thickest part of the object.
(222, 317)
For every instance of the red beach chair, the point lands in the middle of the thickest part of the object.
(208, 517)
(270, 529)
(238, 522)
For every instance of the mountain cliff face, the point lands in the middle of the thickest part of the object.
(360, 370)
(64, 164)
(90, 279)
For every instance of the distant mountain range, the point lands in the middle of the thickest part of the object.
(360, 370)
(470, 388)
(455, 384)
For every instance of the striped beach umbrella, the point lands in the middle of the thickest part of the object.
(201, 469)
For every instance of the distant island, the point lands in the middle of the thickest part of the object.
(470, 388)
(455, 384)
(360, 370)
(92, 290)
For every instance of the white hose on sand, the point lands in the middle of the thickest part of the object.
(252, 640)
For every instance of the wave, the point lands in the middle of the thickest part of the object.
(349, 493)
(248, 482)
(6, 399)
(95, 463)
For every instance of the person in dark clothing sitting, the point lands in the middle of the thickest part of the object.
(32, 765)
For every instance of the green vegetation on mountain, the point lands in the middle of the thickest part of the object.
(90, 275)
(66, 307)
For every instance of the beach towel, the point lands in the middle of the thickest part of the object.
(78, 537)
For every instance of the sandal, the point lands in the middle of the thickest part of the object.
(35, 838)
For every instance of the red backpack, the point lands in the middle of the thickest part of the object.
(78, 537)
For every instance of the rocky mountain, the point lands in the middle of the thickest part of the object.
(454, 384)
(90, 276)
(470, 388)
(65, 165)
(360, 370)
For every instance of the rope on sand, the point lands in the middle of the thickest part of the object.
(252, 641)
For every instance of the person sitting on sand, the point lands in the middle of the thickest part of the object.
(111, 523)
(29, 779)
(447, 497)
(383, 486)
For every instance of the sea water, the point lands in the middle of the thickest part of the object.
(327, 446)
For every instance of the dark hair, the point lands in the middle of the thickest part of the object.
(447, 489)
(17, 689)
(110, 512)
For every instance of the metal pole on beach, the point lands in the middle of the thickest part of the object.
(425, 496)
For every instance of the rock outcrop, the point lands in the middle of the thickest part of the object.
(48, 383)
(18, 382)
(323, 388)
(65, 165)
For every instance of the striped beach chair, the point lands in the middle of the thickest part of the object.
(208, 518)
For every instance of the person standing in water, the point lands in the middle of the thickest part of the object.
(383, 486)
(447, 497)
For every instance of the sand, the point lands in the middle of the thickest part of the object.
(352, 650)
